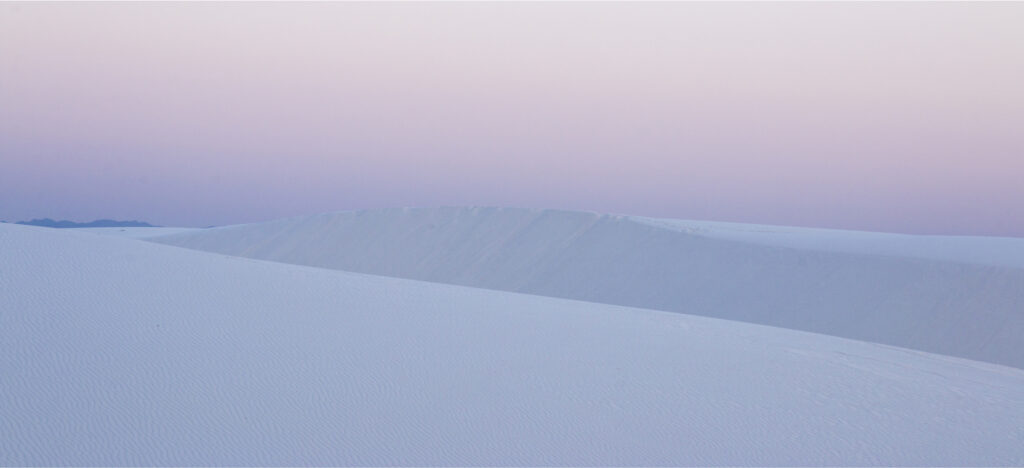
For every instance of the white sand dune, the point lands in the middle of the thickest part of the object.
(137, 232)
(959, 296)
(121, 352)
(998, 251)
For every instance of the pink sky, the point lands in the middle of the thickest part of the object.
(903, 117)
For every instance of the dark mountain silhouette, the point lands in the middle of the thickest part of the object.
(47, 222)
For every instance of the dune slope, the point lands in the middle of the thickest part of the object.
(121, 352)
(958, 296)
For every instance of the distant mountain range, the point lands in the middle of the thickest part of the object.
(47, 222)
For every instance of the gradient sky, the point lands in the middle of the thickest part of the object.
(904, 117)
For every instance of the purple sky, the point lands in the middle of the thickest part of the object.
(905, 117)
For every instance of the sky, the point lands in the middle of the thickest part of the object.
(900, 117)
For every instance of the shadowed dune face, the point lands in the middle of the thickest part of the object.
(862, 289)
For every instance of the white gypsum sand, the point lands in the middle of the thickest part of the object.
(959, 296)
(121, 352)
